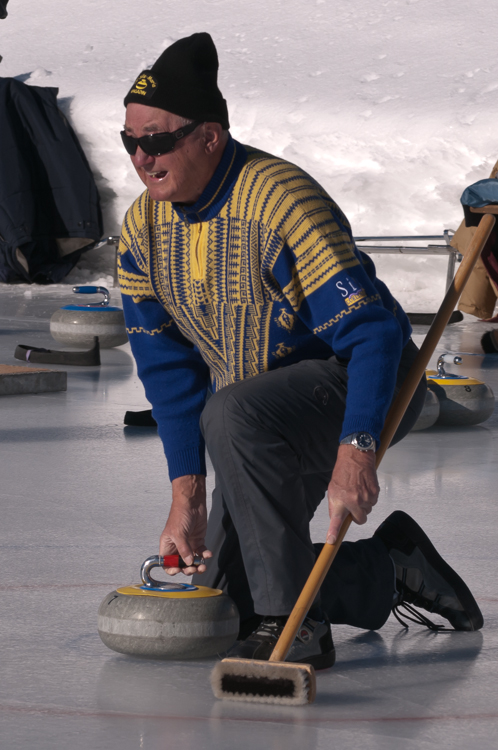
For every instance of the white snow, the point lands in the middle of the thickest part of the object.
(390, 104)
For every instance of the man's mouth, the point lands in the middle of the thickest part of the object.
(157, 175)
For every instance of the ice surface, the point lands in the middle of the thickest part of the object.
(83, 501)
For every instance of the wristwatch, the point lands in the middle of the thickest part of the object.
(363, 441)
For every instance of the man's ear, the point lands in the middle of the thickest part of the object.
(213, 136)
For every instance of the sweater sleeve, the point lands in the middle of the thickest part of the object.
(325, 282)
(171, 369)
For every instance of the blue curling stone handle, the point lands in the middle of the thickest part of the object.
(91, 308)
(88, 289)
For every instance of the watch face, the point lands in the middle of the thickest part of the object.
(364, 441)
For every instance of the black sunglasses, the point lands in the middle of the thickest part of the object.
(158, 143)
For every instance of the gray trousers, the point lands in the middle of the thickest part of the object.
(273, 443)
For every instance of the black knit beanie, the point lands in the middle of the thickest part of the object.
(183, 80)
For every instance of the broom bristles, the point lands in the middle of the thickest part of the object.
(257, 681)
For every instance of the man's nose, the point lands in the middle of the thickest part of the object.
(140, 158)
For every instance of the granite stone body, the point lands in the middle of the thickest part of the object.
(77, 327)
(465, 404)
(161, 628)
(429, 413)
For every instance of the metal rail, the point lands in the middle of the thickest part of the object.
(428, 249)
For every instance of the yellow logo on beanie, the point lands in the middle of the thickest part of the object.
(145, 85)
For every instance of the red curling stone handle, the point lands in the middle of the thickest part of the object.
(175, 561)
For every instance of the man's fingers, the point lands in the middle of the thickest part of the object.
(187, 553)
(171, 546)
(189, 570)
(337, 517)
(353, 485)
(203, 551)
(193, 569)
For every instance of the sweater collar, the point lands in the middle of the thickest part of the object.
(216, 193)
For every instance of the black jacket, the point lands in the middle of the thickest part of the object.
(49, 204)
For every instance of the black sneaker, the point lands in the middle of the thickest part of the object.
(489, 342)
(312, 645)
(424, 579)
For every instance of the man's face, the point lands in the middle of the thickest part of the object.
(179, 176)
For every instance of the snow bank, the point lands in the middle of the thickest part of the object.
(390, 105)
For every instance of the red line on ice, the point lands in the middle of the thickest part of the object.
(75, 712)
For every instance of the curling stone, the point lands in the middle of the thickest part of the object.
(166, 620)
(430, 412)
(463, 401)
(76, 325)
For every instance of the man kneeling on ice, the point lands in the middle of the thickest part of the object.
(239, 274)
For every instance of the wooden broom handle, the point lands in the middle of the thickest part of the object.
(394, 417)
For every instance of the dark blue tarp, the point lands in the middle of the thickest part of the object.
(47, 190)
(480, 193)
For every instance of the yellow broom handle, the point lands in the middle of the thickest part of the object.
(394, 417)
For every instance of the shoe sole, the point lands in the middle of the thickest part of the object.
(402, 523)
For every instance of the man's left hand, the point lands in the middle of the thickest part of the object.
(353, 488)
(186, 525)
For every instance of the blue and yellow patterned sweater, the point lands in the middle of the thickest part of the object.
(260, 273)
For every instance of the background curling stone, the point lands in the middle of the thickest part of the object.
(463, 401)
(188, 624)
(76, 325)
(429, 413)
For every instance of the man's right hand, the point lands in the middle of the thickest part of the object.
(186, 525)
(353, 488)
